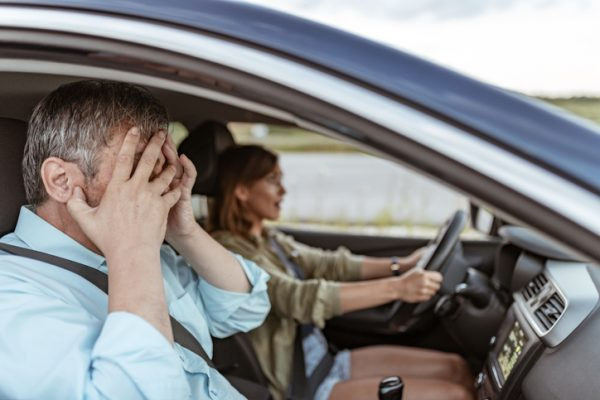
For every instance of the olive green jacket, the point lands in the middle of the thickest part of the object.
(293, 301)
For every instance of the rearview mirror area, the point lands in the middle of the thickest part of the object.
(482, 220)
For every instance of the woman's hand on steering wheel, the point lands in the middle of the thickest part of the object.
(413, 258)
(417, 285)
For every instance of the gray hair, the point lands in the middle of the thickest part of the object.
(77, 120)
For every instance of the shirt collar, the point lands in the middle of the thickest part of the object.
(39, 235)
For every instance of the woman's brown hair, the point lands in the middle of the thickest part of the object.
(237, 165)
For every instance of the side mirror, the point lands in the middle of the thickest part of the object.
(484, 221)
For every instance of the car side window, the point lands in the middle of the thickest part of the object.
(333, 186)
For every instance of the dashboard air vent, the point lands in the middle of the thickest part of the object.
(534, 287)
(550, 311)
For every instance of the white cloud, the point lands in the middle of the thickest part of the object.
(546, 47)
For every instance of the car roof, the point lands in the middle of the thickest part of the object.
(541, 133)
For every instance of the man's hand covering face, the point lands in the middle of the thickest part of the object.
(134, 209)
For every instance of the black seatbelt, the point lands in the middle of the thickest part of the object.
(180, 334)
(298, 389)
(302, 388)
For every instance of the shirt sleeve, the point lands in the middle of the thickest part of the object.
(336, 265)
(71, 354)
(228, 312)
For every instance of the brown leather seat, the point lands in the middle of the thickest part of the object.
(12, 142)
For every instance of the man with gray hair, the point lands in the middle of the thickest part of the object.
(106, 188)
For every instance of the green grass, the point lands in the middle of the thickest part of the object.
(586, 107)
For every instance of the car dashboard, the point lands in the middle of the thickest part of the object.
(537, 353)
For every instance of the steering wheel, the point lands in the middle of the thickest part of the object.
(441, 246)
(439, 249)
(403, 317)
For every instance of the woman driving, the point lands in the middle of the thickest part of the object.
(308, 286)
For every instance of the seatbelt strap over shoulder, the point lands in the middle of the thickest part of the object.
(289, 265)
(99, 279)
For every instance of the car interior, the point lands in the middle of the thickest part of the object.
(517, 306)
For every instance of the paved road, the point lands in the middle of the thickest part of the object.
(356, 188)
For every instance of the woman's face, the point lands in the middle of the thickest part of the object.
(262, 199)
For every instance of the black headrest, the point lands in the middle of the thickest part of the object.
(12, 143)
(203, 146)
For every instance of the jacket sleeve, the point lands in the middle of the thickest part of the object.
(312, 300)
(306, 301)
(336, 265)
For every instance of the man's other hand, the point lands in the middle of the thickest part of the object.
(181, 223)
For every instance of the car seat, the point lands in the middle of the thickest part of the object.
(235, 355)
(12, 142)
(203, 146)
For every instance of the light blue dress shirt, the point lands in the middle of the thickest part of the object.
(58, 341)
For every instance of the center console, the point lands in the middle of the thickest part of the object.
(512, 351)
(541, 317)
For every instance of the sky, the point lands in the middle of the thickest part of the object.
(538, 47)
